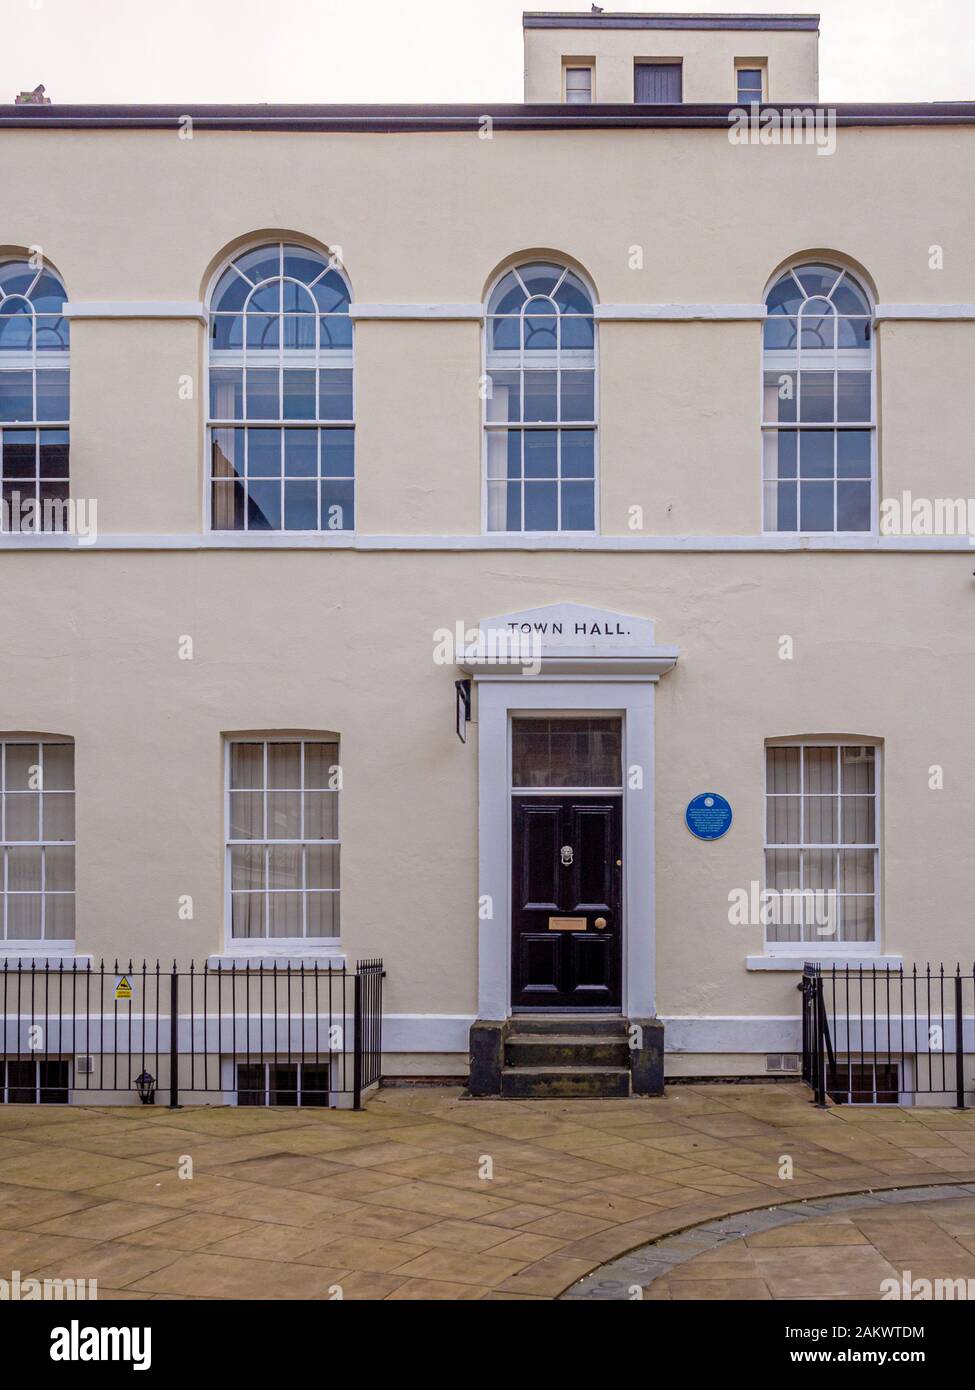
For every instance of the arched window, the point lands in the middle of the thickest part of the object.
(33, 398)
(818, 417)
(282, 448)
(540, 416)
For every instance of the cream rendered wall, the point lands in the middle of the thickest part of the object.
(309, 641)
(713, 220)
(418, 446)
(343, 641)
(926, 441)
(136, 409)
(674, 397)
(708, 58)
(680, 430)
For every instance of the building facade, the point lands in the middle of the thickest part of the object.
(650, 422)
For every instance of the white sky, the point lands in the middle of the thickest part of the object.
(418, 50)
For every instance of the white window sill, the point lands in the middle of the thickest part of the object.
(795, 963)
(270, 955)
(24, 952)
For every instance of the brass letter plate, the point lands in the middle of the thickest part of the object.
(567, 924)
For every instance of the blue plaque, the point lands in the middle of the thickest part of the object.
(708, 816)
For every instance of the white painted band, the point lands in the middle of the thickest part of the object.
(474, 312)
(233, 540)
(677, 313)
(942, 312)
(134, 309)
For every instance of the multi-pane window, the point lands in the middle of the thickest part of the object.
(818, 411)
(282, 1083)
(822, 846)
(37, 840)
(864, 1082)
(654, 83)
(578, 85)
(563, 753)
(282, 442)
(33, 398)
(751, 82)
(540, 416)
(30, 1081)
(283, 838)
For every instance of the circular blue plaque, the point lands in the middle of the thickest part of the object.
(708, 816)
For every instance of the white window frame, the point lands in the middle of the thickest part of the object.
(578, 65)
(826, 946)
(564, 714)
(844, 1065)
(37, 361)
(281, 358)
(789, 361)
(326, 1064)
(36, 945)
(758, 65)
(559, 360)
(241, 946)
(6, 1088)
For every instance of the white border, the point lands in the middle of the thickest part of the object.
(497, 700)
(273, 948)
(135, 309)
(824, 950)
(414, 312)
(849, 541)
(623, 313)
(948, 312)
(793, 267)
(584, 279)
(679, 313)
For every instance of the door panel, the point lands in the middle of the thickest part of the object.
(540, 853)
(592, 831)
(540, 961)
(566, 864)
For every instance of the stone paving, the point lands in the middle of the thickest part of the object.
(426, 1194)
(839, 1248)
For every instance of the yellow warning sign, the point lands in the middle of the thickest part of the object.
(123, 990)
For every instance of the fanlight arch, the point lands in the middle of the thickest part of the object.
(541, 412)
(819, 444)
(34, 396)
(280, 392)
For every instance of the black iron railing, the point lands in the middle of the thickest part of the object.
(249, 1033)
(881, 1035)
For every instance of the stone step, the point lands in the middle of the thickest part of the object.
(541, 1083)
(561, 1050)
(574, 1025)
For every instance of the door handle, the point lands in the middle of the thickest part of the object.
(567, 855)
(600, 922)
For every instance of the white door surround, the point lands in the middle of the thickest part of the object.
(570, 675)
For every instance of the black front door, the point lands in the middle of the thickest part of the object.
(567, 874)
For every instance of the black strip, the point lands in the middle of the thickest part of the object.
(393, 119)
(539, 20)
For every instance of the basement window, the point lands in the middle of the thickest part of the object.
(273, 1083)
(867, 1083)
(33, 1082)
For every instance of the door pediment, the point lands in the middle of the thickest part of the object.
(567, 638)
